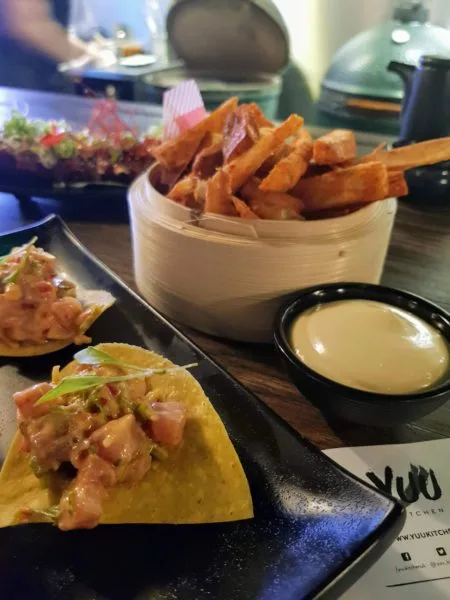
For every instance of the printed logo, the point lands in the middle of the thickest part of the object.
(406, 556)
(420, 482)
(441, 551)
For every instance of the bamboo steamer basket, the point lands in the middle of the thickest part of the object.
(227, 277)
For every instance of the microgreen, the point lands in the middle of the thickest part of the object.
(94, 356)
(24, 250)
(80, 383)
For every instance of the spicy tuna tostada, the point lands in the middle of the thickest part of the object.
(121, 435)
(41, 310)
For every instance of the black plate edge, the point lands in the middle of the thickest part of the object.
(64, 194)
(375, 543)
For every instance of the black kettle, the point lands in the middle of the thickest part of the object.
(426, 106)
(426, 115)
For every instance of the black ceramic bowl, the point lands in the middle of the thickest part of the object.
(342, 402)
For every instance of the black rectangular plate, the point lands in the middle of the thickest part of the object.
(316, 527)
(24, 185)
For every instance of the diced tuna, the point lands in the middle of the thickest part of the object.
(26, 399)
(81, 503)
(66, 311)
(49, 439)
(168, 423)
(120, 441)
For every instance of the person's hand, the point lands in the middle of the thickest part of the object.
(101, 54)
(97, 54)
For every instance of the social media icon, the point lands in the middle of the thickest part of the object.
(406, 556)
(441, 551)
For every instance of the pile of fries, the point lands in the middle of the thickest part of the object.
(237, 163)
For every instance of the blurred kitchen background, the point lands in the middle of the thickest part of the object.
(312, 56)
(317, 28)
(307, 56)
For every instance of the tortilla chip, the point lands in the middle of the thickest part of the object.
(202, 481)
(98, 298)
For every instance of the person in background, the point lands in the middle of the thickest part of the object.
(34, 42)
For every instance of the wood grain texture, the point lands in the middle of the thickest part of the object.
(418, 260)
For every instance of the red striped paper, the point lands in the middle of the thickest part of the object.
(182, 108)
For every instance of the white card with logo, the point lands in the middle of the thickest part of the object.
(417, 565)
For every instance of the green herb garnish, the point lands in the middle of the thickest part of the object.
(80, 383)
(143, 412)
(36, 468)
(21, 128)
(19, 250)
(66, 148)
(12, 277)
(94, 356)
(31, 515)
(50, 513)
(159, 452)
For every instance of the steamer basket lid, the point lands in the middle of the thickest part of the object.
(229, 36)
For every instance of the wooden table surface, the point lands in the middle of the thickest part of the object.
(418, 260)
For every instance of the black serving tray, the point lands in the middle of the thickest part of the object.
(316, 529)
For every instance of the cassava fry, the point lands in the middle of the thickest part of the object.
(200, 193)
(183, 187)
(218, 195)
(243, 209)
(176, 154)
(414, 155)
(344, 187)
(314, 170)
(335, 147)
(271, 205)
(237, 163)
(370, 157)
(286, 173)
(208, 160)
(280, 209)
(179, 152)
(184, 192)
(273, 159)
(397, 184)
(163, 179)
(170, 178)
(244, 166)
(240, 132)
(259, 116)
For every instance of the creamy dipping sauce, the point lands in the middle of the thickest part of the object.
(370, 346)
